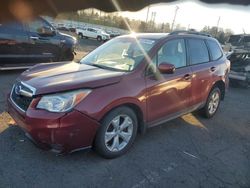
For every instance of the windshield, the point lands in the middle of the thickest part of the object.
(122, 54)
(103, 32)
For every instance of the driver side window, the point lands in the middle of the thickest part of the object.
(37, 25)
(173, 52)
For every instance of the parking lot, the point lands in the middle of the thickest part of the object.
(187, 152)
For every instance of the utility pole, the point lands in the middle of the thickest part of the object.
(147, 14)
(244, 31)
(218, 23)
(152, 19)
(147, 18)
(175, 14)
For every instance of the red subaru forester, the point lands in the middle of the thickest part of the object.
(123, 87)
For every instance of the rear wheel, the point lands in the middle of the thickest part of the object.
(81, 35)
(117, 133)
(99, 38)
(213, 103)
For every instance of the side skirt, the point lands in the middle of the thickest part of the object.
(175, 115)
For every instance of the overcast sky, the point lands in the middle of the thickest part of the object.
(198, 15)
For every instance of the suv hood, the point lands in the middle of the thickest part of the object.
(68, 37)
(57, 77)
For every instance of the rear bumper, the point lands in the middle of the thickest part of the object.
(238, 76)
(60, 133)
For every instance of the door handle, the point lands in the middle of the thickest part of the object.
(213, 69)
(34, 38)
(187, 77)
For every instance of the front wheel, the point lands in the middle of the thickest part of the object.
(99, 38)
(213, 103)
(117, 133)
(68, 56)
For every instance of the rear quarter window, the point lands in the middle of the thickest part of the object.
(198, 51)
(215, 50)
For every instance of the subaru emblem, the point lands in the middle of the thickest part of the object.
(18, 88)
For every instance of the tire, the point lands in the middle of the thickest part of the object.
(80, 35)
(99, 38)
(212, 103)
(109, 141)
(68, 56)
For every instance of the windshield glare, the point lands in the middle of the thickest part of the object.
(122, 54)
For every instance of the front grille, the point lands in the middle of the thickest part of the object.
(21, 101)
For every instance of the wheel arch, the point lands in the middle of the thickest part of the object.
(67, 54)
(222, 86)
(137, 110)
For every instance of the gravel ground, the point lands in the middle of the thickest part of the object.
(186, 152)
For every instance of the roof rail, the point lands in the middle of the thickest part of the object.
(190, 32)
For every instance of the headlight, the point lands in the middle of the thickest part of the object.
(62, 102)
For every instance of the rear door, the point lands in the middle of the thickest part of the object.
(203, 69)
(13, 44)
(168, 95)
(43, 48)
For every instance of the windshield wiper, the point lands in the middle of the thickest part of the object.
(108, 68)
(99, 66)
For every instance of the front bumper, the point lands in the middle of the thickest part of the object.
(58, 132)
(105, 38)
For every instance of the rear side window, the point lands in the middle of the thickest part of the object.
(198, 51)
(215, 50)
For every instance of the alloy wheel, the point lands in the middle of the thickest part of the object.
(214, 102)
(118, 133)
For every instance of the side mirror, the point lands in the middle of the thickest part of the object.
(166, 68)
(46, 31)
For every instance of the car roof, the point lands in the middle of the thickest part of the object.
(159, 36)
(153, 36)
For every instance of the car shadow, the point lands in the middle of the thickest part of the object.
(14, 140)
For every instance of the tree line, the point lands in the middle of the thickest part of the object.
(94, 16)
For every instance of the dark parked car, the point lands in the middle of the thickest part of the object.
(123, 87)
(23, 45)
(72, 29)
(63, 29)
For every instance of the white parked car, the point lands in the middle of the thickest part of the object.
(95, 33)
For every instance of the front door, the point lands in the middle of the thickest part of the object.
(168, 94)
(92, 33)
(43, 48)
